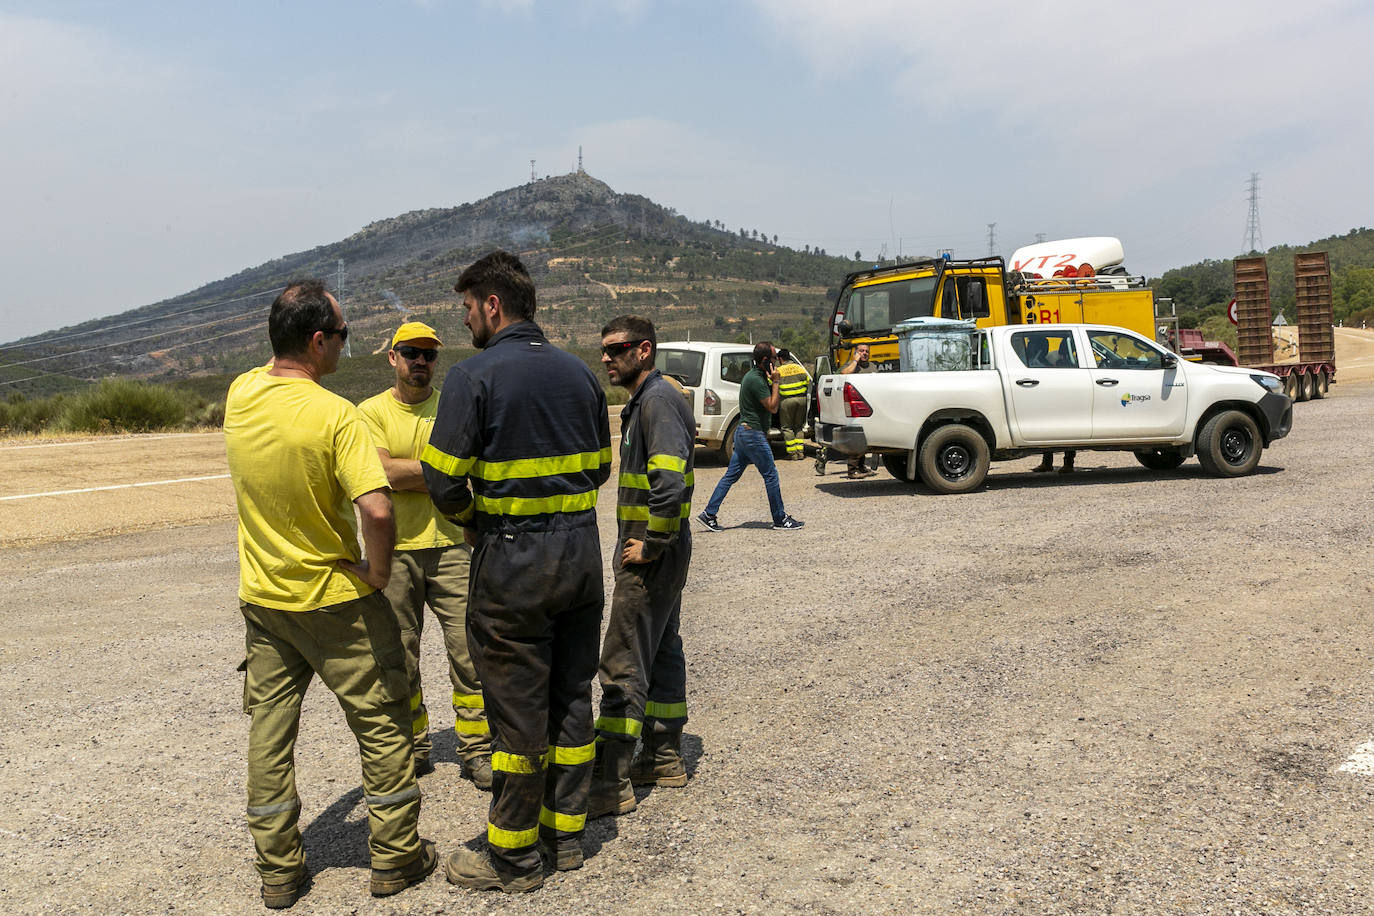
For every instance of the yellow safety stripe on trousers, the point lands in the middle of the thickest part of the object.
(667, 463)
(630, 727)
(641, 513)
(641, 481)
(571, 756)
(516, 763)
(666, 710)
(547, 505)
(416, 699)
(463, 727)
(445, 463)
(541, 467)
(468, 701)
(420, 724)
(565, 823)
(511, 839)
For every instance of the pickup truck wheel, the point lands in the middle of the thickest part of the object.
(953, 459)
(1159, 459)
(1229, 444)
(895, 462)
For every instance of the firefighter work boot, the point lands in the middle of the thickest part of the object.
(478, 769)
(423, 766)
(612, 792)
(388, 881)
(564, 855)
(467, 868)
(660, 762)
(280, 895)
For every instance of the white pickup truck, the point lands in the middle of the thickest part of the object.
(1031, 388)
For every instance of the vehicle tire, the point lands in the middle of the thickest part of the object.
(895, 462)
(1304, 387)
(1229, 444)
(1290, 385)
(1320, 385)
(727, 445)
(1159, 459)
(953, 459)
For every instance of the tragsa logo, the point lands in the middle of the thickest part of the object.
(1127, 398)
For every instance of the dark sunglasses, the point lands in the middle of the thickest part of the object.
(430, 354)
(342, 332)
(619, 349)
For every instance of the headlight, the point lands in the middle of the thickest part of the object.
(1268, 382)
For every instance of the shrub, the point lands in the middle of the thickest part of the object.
(123, 405)
(21, 415)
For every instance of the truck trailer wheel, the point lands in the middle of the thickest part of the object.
(1290, 385)
(1304, 386)
(895, 462)
(1320, 384)
(953, 459)
(1229, 444)
(1159, 459)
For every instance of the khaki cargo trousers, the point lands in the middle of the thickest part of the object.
(355, 648)
(438, 576)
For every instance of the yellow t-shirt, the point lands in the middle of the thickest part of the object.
(298, 455)
(403, 430)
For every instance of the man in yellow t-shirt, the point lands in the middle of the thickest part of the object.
(432, 559)
(301, 459)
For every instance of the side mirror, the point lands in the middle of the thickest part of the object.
(846, 329)
(1170, 361)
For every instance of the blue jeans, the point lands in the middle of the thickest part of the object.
(751, 447)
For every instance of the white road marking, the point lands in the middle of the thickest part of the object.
(1361, 762)
(104, 440)
(118, 486)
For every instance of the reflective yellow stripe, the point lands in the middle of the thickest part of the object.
(666, 710)
(571, 756)
(446, 463)
(463, 727)
(631, 727)
(667, 463)
(541, 467)
(548, 505)
(468, 701)
(635, 481)
(567, 823)
(419, 725)
(664, 525)
(792, 389)
(416, 699)
(511, 839)
(641, 513)
(516, 763)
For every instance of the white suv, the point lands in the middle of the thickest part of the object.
(711, 373)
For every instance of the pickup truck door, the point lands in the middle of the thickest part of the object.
(1136, 394)
(1049, 392)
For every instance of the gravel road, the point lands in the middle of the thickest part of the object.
(1117, 691)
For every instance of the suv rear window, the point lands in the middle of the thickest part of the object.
(683, 365)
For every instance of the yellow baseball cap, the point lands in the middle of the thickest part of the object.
(415, 330)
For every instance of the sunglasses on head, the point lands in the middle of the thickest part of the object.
(342, 332)
(617, 349)
(430, 354)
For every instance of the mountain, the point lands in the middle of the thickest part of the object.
(593, 254)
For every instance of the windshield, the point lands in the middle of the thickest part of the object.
(683, 365)
(880, 306)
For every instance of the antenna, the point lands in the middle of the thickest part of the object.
(579, 160)
(992, 239)
(347, 348)
(1254, 242)
(531, 170)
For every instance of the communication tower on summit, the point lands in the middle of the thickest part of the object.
(1254, 242)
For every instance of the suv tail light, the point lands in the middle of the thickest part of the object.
(854, 403)
(710, 403)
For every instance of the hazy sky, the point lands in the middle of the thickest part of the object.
(152, 147)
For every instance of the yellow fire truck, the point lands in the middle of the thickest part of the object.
(1074, 280)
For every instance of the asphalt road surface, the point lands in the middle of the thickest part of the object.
(1113, 691)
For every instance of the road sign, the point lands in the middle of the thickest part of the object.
(1231, 312)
